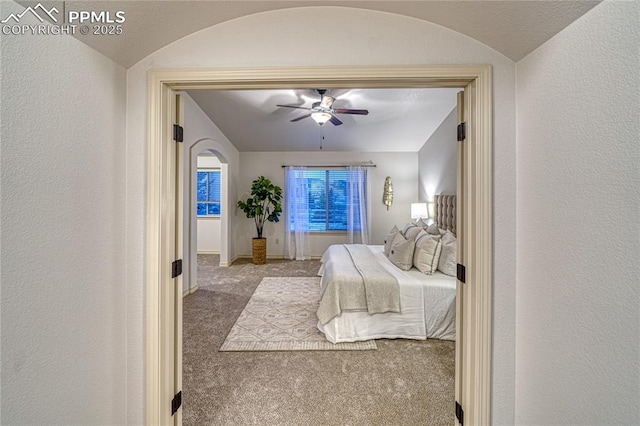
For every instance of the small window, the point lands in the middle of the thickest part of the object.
(208, 192)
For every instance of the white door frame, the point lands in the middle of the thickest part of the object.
(162, 338)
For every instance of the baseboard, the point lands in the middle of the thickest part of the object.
(248, 256)
(209, 252)
(229, 263)
(189, 291)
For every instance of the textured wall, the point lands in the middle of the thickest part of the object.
(578, 333)
(64, 291)
(278, 39)
(438, 160)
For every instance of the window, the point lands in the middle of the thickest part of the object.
(208, 192)
(329, 200)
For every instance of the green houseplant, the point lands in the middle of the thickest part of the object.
(263, 205)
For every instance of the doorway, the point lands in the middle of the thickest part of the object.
(473, 390)
(206, 228)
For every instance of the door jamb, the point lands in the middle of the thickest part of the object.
(476, 383)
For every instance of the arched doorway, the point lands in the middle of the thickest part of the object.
(216, 151)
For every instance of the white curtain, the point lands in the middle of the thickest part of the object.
(358, 215)
(296, 193)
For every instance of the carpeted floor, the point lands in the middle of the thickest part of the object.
(404, 382)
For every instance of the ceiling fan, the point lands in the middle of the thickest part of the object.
(323, 111)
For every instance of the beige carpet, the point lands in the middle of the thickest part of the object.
(403, 382)
(281, 316)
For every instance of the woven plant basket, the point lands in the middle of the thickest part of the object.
(259, 251)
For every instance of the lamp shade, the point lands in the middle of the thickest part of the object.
(431, 209)
(321, 117)
(418, 210)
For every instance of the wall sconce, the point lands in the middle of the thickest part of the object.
(418, 210)
(387, 193)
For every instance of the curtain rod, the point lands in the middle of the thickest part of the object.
(333, 165)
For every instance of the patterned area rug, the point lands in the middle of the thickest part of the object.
(281, 316)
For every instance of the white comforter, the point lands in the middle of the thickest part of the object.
(427, 304)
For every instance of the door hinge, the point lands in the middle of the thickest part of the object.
(462, 131)
(176, 402)
(459, 413)
(461, 273)
(178, 133)
(176, 268)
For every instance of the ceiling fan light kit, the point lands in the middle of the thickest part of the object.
(323, 111)
(321, 117)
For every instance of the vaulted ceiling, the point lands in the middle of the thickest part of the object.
(399, 120)
(513, 28)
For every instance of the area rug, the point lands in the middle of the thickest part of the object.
(281, 316)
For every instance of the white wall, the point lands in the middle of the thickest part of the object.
(200, 134)
(208, 227)
(402, 167)
(437, 159)
(64, 288)
(273, 39)
(578, 245)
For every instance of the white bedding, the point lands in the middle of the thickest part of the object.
(427, 304)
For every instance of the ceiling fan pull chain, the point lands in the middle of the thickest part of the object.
(322, 140)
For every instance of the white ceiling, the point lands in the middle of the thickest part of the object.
(514, 28)
(399, 120)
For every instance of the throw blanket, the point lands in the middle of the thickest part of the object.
(353, 280)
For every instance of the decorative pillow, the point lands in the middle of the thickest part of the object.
(447, 263)
(407, 227)
(427, 254)
(421, 223)
(401, 253)
(448, 237)
(433, 229)
(412, 232)
(423, 234)
(389, 239)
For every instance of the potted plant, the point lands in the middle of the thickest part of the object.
(263, 205)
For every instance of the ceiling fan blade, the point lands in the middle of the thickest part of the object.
(334, 120)
(351, 111)
(293, 106)
(300, 118)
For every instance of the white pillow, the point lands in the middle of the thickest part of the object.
(447, 263)
(433, 229)
(427, 254)
(401, 253)
(407, 226)
(448, 237)
(412, 232)
(423, 234)
(389, 239)
(421, 223)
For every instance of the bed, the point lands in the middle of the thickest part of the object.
(423, 306)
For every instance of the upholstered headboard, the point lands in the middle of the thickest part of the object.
(445, 212)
